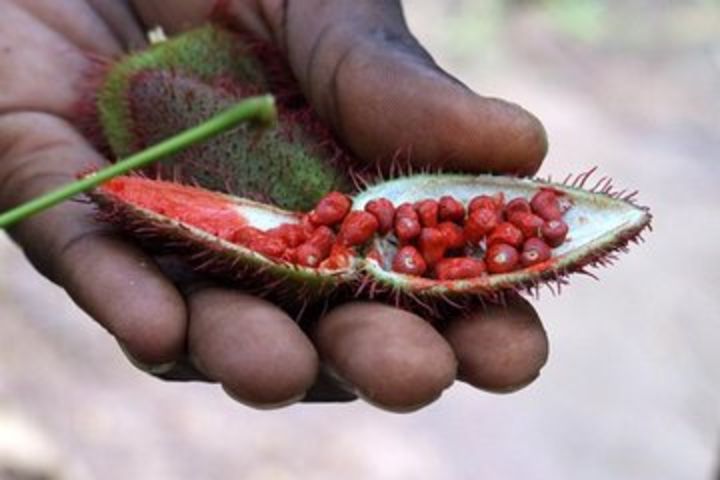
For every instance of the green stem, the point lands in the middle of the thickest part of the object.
(256, 109)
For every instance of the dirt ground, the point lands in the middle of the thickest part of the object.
(632, 388)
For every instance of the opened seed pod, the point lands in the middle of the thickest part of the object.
(294, 228)
(339, 246)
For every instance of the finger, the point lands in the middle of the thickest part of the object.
(500, 347)
(326, 388)
(75, 20)
(393, 358)
(122, 21)
(365, 73)
(254, 349)
(40, 70)
(112, 281)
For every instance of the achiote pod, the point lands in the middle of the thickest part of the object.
(261, 246)
(144, 97)
(277, 212)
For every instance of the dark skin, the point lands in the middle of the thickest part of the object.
(379, 90)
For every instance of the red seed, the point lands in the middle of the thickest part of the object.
(307, 224)
(453, 233)
(528, 223)
(331, 209)
(409, 261)
(506, 233)
(292, 234)
(432, 245)
(517, 205)
(289, 255)
(357, 228)
(479, 223)
(535, 251)
(427, 212)
(545, 204)
(407, 223)
(501, 258)
(338, 259)
(494, 202)
(554, 232)
(323, 238)
(549, 212)
(308, 255)
(459, 268)
(315, 249)
(245, 235)
(268, 246)
(450, 210)
(384, 212)
(407, 229)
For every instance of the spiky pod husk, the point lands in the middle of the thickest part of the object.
(145, 97)
(284, 283)
(602, 223)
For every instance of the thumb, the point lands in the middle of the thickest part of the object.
(369, 78)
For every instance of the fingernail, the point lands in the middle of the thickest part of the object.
(151, 369)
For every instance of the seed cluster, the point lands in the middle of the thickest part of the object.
(446, 240)
(441, 239)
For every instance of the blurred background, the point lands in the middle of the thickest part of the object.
(632, 387)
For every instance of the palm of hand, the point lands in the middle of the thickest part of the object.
(363, 73)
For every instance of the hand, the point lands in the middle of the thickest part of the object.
(369, 78)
